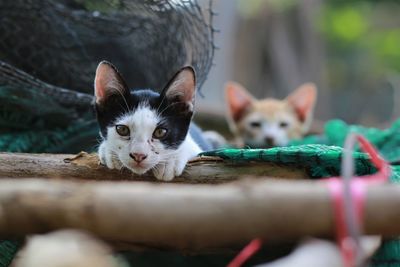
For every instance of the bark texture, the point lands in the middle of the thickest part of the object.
(87, 166)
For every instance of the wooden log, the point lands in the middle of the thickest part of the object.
(86, 166)
(183, 216)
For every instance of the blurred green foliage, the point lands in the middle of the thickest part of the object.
(370, 29)
(344, 24)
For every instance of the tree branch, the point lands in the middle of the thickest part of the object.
(86, 166)
(184, 216)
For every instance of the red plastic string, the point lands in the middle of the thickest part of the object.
(246, 253)
(383, 173)
(358, 187)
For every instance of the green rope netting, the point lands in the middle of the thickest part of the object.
(318, 160)
(8, 249)
(31, 121)
(335, 132)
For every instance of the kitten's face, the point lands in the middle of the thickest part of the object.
(143, 128)
(270, 122)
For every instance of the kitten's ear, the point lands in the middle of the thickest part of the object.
(303, 101)
(108, 82)
(238, 99)
(182, 88)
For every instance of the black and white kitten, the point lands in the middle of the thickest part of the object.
(143, 130)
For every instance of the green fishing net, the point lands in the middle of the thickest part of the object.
(318, 160)
(387, 141)
(8, 249)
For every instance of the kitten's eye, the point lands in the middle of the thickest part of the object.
(283, 124)
(160, 133)
(255, 124)
(122, 130)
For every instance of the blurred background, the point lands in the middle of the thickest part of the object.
(349, 48)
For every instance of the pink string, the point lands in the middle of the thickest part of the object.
(248, 251)
(347, 246)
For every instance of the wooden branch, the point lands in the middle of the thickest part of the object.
(184, 216)
(86, 166)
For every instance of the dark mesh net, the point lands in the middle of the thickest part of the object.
(49, 45)
(61, 42)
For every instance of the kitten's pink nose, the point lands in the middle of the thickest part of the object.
(138, 157)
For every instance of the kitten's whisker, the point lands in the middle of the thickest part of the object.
(167, 155)
(162, 101)
(126, 110)
(156, 168)
(170, 105)
(123, 98)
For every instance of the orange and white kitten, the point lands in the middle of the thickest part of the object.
(269, 122)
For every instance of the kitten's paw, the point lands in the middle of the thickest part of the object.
(179, 167)
(166, 172)
(116, 164)
(106, 158)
